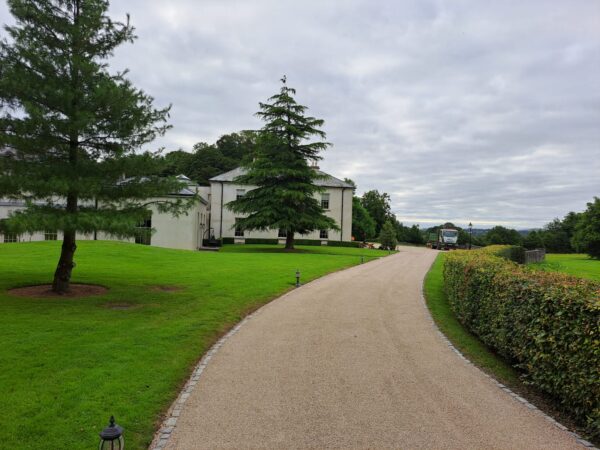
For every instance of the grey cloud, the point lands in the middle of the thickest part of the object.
(462, 110)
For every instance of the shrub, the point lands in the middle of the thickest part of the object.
(263, 241)
(547, 324)
(307, 242)
(387, 237)
(343, 244)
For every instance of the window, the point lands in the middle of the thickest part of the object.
(50, 235)
(11, 237)
(239, 193)
(282, 233)
(325, 201)
(238, 231)
(324, 234)
(143, 232)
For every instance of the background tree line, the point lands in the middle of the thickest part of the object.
(576, 232)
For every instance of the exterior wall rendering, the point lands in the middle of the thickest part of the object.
(183, 232)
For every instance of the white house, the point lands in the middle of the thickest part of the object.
(183, 232)
(336, 200)
(210, 217)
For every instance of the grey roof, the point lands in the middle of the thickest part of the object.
(324, 180)
(184, 192)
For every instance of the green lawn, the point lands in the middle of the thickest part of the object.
(463, 340)
(323, 250)
(68, 364)
(579, 265)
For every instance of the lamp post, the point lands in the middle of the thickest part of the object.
(112, 436)
(470, 234)
(297, 277)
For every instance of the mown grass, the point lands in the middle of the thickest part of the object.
(68, 364)
(468, 344)
(579, 265)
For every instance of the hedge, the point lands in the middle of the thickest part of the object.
(230, 240)
(343, 244)
(547, 324)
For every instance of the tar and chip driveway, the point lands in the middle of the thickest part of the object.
(353, 361)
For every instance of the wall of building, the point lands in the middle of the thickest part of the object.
(223, 219)
(183, 232)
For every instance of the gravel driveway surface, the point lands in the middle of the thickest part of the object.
(353, 361)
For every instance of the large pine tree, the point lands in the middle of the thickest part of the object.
(71, 128)
(285, 194)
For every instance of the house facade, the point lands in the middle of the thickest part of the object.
(209, 217)
(335, 198)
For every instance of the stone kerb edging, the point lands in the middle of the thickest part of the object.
(515, 396)
(162, 436)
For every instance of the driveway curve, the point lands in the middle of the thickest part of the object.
(353, 360)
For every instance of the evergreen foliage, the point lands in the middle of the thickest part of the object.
(72, 128)
(284, 197)
(387, 237)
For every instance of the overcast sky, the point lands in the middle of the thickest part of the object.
(462, 111)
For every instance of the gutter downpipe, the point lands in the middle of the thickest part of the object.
(342, 221)
(221, 221)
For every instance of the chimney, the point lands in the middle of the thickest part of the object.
(313, 164)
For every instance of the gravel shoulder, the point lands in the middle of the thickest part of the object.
(353, 360)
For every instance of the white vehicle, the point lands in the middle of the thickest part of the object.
(447, 239)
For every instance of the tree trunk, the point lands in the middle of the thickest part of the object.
(289, 240)
(62, 276)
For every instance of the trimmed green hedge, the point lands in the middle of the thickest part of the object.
(547, 324)
(261, 241)
(343, 244)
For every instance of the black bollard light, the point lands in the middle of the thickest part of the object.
(297, 277)
(112, 437)
(362, 259)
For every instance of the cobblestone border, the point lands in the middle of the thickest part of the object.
(515, 396)
(162, 436)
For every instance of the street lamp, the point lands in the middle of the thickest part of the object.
(112, 436)
(297, 277)
(470, 234)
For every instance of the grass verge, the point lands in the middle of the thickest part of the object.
(69, 363)
(468, 344)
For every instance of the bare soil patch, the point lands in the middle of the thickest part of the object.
(165, 288)
(45, 291)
